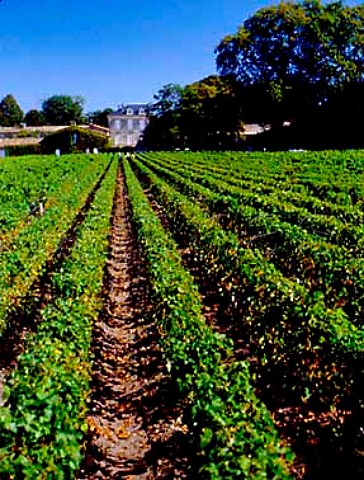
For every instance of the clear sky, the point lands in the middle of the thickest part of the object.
(110, 51)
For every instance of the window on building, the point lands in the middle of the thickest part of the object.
(129, 111)
(130, 124)
(117, 124)
(141, 111)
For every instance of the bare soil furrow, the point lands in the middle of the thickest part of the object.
(135, 421)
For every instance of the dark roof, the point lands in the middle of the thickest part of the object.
(122, 110)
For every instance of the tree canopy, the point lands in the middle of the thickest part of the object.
(301, 54)
(34, 118)
(203, 114)
(211, 113)
(10, 112)
(167, 99)
(164, 129)
(99, 117)
(63, 109)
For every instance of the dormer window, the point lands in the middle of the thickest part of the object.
(129, 111)
(141, 111)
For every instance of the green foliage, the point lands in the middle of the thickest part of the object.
(302, 53)
(278, 312)
(10, 113)
(34, 118)
(211, 115)
(21, 150)
(27, 181)
(99, 117)
(62, 109)
(232, 429)
(298, 62)
(168, 99)
(27, 245)
(73, 139)
(280, 237)
(43, 424)
(204, 114)
(164, 128)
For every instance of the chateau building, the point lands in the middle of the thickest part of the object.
(127, 124)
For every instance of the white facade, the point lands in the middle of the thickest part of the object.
(127, 125)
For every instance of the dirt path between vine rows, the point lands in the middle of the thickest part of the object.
(136, 430)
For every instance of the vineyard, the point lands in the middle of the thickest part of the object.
(182, 315)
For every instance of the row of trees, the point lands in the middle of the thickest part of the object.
(56, 110)
(297, 63)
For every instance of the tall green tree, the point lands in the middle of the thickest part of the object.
(300, 54)
(10, 112)
(99, 117)
(63, 109)
(34, 118)
(167, 99)
(201, 115)
(211, 113)
(164, 130)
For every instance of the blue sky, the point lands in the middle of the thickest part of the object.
(110, 51)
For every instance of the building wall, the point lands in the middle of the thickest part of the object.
(127, 125)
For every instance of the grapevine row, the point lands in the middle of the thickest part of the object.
(28, 183)
(288, 191)
(326, 226)
(233, 430)
(317, 349)
(334, 176)
(25, 258)
(302, 256)
(43, 428)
